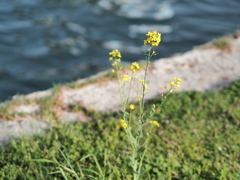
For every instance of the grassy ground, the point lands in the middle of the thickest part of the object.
(199, 138)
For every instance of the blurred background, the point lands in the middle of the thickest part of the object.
(49, 41)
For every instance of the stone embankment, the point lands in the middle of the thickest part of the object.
(203, 69)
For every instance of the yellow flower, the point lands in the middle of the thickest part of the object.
(176, 81)
(142, 81)
(155, 43)
(171, 83)
(123, 123)
(176, 89)
(125, 77)
(139, 97)
(136, 65)
(114, 63)
(154, 38)
(113, 70)
(145, 42)
(179, 80)
(155, 123)
(165, 87)
(115, 53)
(131, 106)
(131, 67)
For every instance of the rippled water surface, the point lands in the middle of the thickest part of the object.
(48, 41)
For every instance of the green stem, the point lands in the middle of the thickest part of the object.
(130, 87)
(137, 172)
(143, 85)
(163, 100)
(142, 157)
(119, 89)
(142, 102)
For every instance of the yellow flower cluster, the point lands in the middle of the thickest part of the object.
(134, 67)
(125, 77)
(154, 38)
(115, 56)
(123, 123)
(115, 53)
(155, 123)
(175, 81)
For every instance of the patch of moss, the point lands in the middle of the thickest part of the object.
(223, 43)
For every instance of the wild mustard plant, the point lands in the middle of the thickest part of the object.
(134, 127)
(136, 136)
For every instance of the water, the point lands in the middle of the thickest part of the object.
(49, 41)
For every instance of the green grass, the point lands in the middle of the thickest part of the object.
(223, 43)
(198, 139)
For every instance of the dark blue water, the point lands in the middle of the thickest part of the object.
(49, 41)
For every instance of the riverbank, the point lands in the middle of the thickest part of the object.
(204, 68)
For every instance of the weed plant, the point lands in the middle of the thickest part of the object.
(137, 134)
